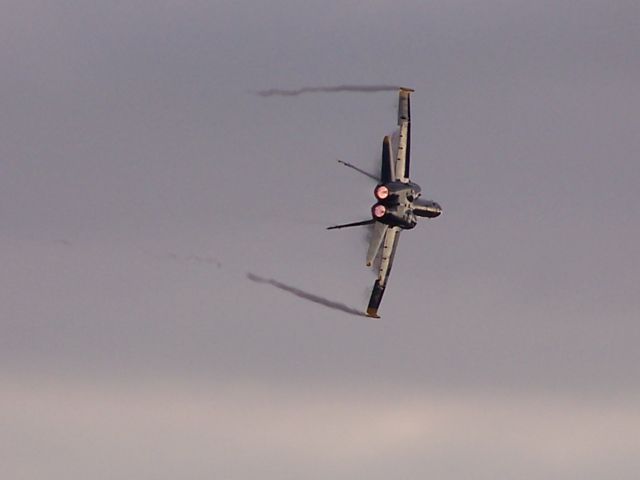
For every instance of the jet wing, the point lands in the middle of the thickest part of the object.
(377, 237)
(403, 155)
(389, 245)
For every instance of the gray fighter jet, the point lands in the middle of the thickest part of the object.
(398, 204)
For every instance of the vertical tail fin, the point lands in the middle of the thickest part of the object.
(387, 174)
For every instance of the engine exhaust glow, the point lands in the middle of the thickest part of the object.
(381, 192)
(379, 210)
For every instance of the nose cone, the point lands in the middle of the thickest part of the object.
(427, 208)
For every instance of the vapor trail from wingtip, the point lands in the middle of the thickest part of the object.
(330, 89)
(306, 295)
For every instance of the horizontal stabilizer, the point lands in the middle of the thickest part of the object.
(354, 224)
(347, 164)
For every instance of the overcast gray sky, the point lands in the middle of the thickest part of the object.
(142, 179)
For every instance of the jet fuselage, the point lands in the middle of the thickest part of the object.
(399, 204)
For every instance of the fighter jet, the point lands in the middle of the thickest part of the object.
(398, 204)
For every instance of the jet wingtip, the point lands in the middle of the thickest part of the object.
(372, 313)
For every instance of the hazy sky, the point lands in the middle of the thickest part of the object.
(144, 184)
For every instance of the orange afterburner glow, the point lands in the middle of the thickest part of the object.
(381, 192)
(379, 210)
